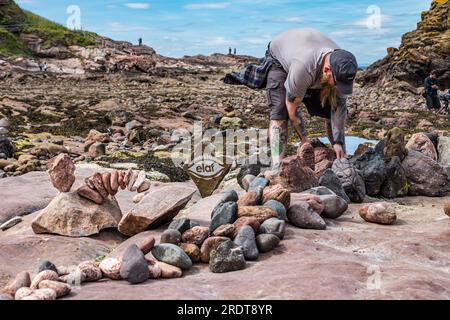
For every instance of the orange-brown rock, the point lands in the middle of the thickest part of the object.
(277, 192)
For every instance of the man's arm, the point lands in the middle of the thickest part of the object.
(338, 121)
(296, 118)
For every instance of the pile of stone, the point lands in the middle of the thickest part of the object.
(99, 186)
(416, 168)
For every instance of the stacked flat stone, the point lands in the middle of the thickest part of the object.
(101, 185)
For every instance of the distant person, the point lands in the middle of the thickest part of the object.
(45, 67)
(234, 51)
(431, 91)
(229, 51)
(140, 42)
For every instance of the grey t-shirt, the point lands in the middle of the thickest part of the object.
(301, 53)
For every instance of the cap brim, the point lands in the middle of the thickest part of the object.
(345, 87)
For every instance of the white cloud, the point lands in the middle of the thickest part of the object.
(288, 20)
(138, 5)
(211, 5)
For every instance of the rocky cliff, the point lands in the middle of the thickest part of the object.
(421, 50)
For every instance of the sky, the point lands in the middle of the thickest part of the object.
(177, 28)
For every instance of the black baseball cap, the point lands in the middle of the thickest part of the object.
(344, 68)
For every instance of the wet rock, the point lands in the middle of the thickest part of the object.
(226, 230)
(192, 250)
(381, 213)
(169, 271)
(250, 198)
(294, 176)
(335, 206)
(306, 152)
(394, 145)
(244, 221)
(396, 183)
(90, 271)
(261, 213)
(41, 276)
(47, 265)
(229, 196)
(10, 223)
(258, 183)
(277, 193)
(273, 226)
(134, 267)
(61, 171)
(314, 201)
(156, 208)
(210, 244)
(351, 180)
(425, 176)
(111, 268)
(61, 289)
(362, 148)
(224, 213)
(421, 143)
(227, 258)
(97, 149)
(267, 242)
(196, 235)
(249, 169)
(247, 180)
(181, 225)
(278, 207)
(70, 215)
(373, 170)
(170, 236)
(303, 216)
(22, 279)
(246, 239)
(6, 148)
(172, 255)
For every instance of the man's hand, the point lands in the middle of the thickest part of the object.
(339, 151)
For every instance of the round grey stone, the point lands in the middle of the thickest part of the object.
(172, 236)
(246, 239)
(267, 242)
(47, 265)
(273, 226)
(224, 213)
(134, 267)
(278, 207)
(181, 225)
(173, 255)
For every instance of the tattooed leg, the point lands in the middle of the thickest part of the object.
(278, 141)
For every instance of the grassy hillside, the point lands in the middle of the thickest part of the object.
(16, 23)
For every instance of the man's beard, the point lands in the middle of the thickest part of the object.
(328, 93)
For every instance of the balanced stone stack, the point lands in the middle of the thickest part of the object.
(99, 186)
(6, 147)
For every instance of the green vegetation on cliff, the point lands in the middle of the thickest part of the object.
(17, 25)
